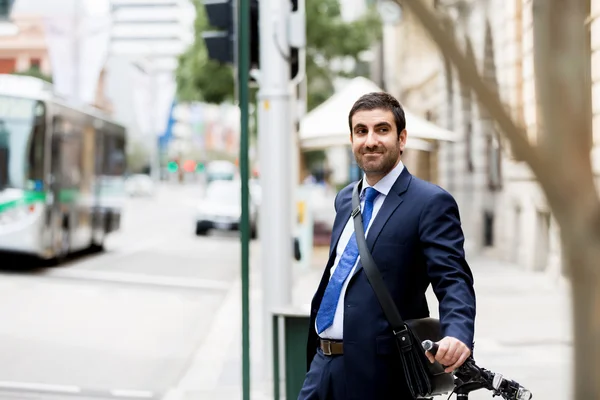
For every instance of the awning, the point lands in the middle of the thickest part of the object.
(327, 125)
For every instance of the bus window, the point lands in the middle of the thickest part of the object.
(114, 155)
(16, 127)
(36, 153)
(66, 151)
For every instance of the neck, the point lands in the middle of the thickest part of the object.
(374, 177)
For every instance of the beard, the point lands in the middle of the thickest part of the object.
(378, 160)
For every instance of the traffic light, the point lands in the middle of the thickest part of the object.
(254, 35)
(255, 40)
(172, 166)
(294, 60)
(189, 166)
(220, 43)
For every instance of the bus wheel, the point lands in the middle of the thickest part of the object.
(63, 248)
(98, 236)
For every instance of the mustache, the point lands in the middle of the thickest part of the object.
(376, 150)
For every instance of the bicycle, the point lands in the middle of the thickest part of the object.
(469, 377)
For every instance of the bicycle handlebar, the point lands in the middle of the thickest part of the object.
(470, 373)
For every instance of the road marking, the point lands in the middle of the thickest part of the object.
(41, 387)
(34, 387)
(140, 394)
(138, 279)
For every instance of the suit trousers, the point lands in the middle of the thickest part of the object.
(325, 380)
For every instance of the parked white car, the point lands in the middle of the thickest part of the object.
(221, 170)
(221, 209)
(139, 185)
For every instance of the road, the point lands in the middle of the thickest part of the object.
(119, 324)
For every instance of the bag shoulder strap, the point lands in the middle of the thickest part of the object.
(381, 291)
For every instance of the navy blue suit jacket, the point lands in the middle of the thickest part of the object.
(416, 240)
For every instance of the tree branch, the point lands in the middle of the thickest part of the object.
(469, 74)
(563, 84)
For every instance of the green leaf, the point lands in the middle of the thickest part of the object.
(198, 78)
(36, 73)
(328, 36)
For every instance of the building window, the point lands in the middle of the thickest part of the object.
(467, 107)
(493, 148)
(35, 63)
(542, 240)
(448, 146)
(7, 65)
(494, 160)
(469, 146)
(488, 229)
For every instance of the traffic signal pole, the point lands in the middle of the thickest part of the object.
(274, 138)
(243, 79)
(277, 31)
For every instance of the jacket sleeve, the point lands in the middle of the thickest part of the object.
(442, 241)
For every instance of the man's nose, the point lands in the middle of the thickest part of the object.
(371, 139)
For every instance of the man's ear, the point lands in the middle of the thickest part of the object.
(402, 140)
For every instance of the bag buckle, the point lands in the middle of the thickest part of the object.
(355, 212)
(404, 338)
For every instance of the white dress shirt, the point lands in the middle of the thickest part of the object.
(336, 330)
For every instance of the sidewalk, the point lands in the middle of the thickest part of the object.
(523, 330)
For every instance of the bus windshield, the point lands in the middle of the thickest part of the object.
(21, 144)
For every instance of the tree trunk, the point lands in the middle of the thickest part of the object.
(583, 258)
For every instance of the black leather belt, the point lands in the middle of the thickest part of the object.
(331, 347)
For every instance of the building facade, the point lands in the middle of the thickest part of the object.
(504, 210)
(24, 46)
(147, 38)
(154, 30)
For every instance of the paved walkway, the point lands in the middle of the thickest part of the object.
(523, 331)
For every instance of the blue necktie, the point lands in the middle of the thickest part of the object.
(345, 265)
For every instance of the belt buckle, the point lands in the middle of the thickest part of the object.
(327, 349)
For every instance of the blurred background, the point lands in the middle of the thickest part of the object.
(120, 191)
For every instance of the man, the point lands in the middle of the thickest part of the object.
(415, 237)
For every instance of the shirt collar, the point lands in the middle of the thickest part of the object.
(385, 184)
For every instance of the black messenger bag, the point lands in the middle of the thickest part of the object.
(424, 379)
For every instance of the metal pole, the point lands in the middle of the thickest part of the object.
(77, 9)
(275, 163)
(154, 155)
(243, 70)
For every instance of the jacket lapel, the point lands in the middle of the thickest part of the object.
(341, 219)
(390, 204)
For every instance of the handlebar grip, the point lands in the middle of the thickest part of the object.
(504, 387)
(430, 346)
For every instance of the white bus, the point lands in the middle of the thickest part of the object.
(61, 172)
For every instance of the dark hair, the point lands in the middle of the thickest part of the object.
(380, 100)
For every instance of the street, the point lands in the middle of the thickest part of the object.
(123, 323)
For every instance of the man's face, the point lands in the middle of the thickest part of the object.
(375, 142)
